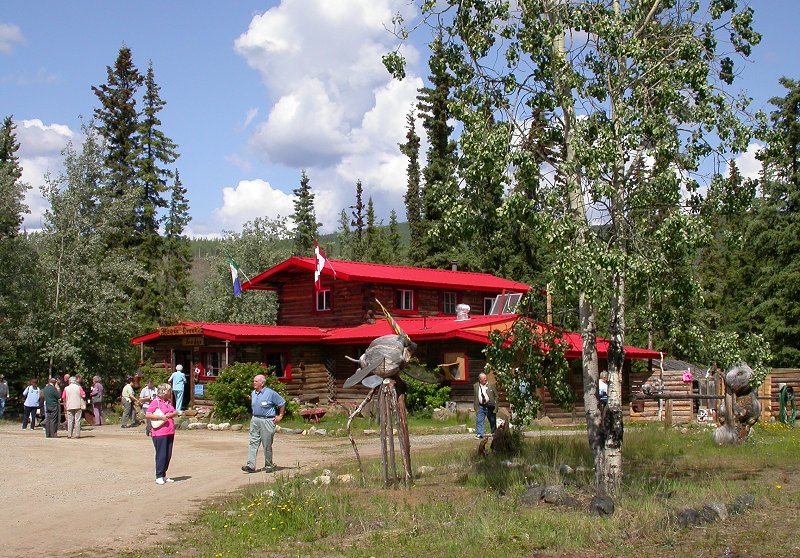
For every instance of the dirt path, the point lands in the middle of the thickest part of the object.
(94, 495)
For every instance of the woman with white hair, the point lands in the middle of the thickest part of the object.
(178, 379)
(161, 414)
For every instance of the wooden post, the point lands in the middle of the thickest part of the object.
(668, 413)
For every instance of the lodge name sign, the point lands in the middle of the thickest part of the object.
(180, 330)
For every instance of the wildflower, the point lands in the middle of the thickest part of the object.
(778, 486)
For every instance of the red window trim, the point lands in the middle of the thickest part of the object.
(314, 308)
(413, 302)
(287, 369)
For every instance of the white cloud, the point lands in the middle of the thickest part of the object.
(39, 154)
(749, 166)
(251, 199)
(336, 112)
(251, 115)
(9, 36)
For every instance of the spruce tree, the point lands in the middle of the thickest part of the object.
(177, 260)
(413, 199)
(396, 249)
(377, 246)
(359, 250)
(12, 190)
(344, 238)
(305, 219)
(440, 191)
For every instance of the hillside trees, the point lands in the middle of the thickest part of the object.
(413, 195)
(618, 103)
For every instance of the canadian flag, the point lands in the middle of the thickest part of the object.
(319, 255)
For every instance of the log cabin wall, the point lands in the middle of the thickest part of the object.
(777, 377)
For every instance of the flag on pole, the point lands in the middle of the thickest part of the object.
(237, 284)
(395, 326)
(321, 260)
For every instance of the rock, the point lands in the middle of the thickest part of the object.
(553, 493)
(345, 479)
(197, 425)
(236, 427)
(532, 495)
(321, 432)
(716, 511)
(211, 426)
(688, 518)
(442, 414)
(291, 431)
(565, 470)
(602, 505)
(224, 426)
(189, 413)
(424, 470)
(742, 503)
(568, 501)
(545, 422)
(370, 432)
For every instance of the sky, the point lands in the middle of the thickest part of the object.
(258, 91)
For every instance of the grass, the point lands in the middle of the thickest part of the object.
(469, 505)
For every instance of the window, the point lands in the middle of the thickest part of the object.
(404, 300)
(279, 364)
(212, 363)
(449, 301)
(503, 304)
(454, 365)
(324, 300)
(488, 303)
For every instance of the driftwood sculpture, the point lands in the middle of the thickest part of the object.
(740, 410)
(379, 370)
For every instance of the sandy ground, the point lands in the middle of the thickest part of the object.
(97, 494)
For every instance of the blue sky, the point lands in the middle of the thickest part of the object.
(257, 91)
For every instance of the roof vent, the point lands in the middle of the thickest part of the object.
(454, 265)
(462, 312)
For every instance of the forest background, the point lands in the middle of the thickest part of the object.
(112, 260)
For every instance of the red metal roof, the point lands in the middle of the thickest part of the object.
(248, 332)
(476, 329)
(381, 273)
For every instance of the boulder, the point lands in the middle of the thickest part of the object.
(236, 427)
(553, 493)
(442, 414)
(424, 470)
(532, 495)
(602, 505)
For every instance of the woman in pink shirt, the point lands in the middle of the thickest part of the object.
(162, 413)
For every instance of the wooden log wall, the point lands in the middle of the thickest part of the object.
(772, 385)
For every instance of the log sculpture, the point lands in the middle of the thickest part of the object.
(740, 410)
(379, 370)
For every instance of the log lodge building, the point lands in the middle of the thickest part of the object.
(317, 328)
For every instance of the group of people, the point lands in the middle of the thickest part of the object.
(65, 393)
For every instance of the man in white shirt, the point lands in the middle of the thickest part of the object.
(485, 405)
(147, 395)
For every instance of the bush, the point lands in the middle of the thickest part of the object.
(159, 375)
(229, 392)
(422, 396)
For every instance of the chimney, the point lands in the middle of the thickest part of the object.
(454, 265)
(462, 312)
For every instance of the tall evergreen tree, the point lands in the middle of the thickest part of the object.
(12, 189)
(396, 248)
(118, 124)
(305, 219)
(413, 196)
(359, 250)
(440, 191)
(344, 238)
(177, 261)
(377, 246)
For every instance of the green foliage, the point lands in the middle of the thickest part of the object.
(305, 219)
(158, 374)
(529, 356)
(235, 383)
(422, 397)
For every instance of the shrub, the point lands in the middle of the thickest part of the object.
(421, 396)
(229, 392)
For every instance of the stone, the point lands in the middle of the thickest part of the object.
(345, 479)
(532, 495)
(742, 503)
(565, 470)
(370, 432)
(321, 432)
(424, 470)
(236, 427)
(442, 414)
(224, 426)
(601, 505)
(568, 501)
(553, 493)
(688, 518)
(717, 511)
(322, 480)
(544, 422)
(197, 425)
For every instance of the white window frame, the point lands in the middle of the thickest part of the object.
(404, 300)
(449, 306)
(325, 296)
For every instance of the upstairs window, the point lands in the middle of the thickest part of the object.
(324, 300)
(449, 301)
(488, 303)
(404, 300)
